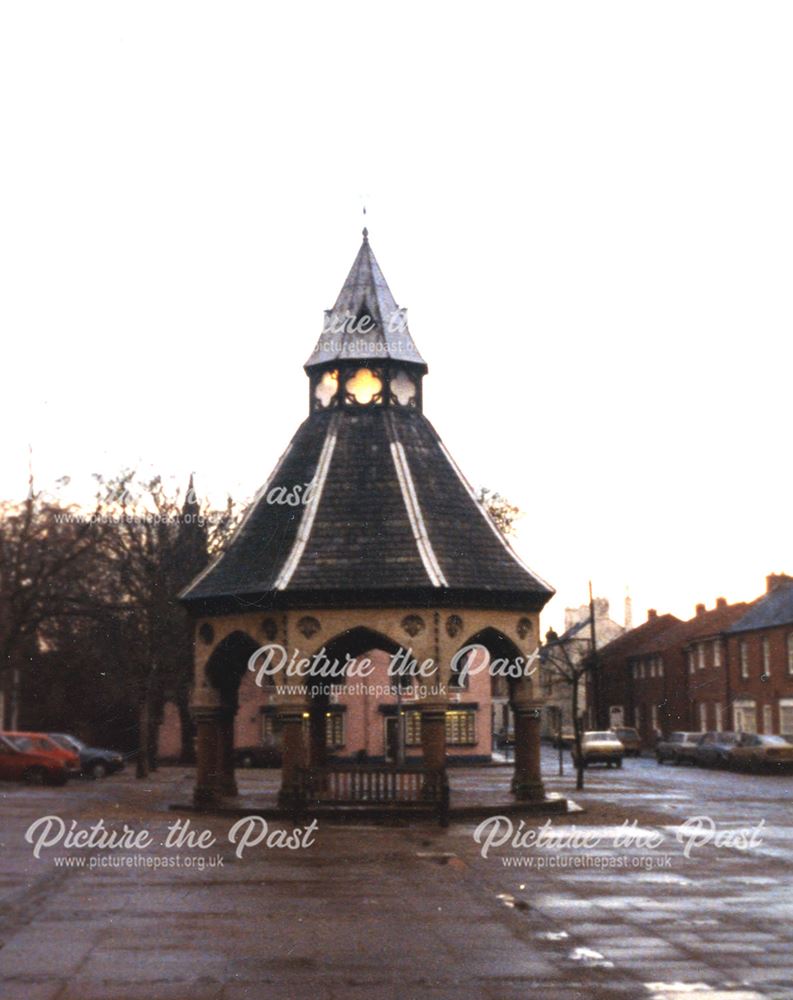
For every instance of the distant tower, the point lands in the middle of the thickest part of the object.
(628, 611)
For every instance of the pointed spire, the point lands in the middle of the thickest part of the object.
(191, 504)
(365, 323)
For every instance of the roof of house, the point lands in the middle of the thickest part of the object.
(645, 638)
(390, 521)
(709, 623)
(770, 610)
(667, 631)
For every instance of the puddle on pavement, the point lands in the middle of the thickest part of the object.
(694, 991)
(664, 879)
(590, 958)
(511, 902)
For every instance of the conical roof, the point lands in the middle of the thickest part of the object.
(366, 507)
(365, 323)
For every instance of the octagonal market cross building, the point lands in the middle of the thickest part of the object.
(366, 545)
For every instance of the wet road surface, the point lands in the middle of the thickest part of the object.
(415, 911)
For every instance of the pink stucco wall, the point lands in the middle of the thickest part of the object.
(365, 724)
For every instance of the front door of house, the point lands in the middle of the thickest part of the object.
(391, 738)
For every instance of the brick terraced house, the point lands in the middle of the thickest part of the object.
(727, 668)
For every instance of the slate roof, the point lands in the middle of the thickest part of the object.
(391, 520)
(771, 610)
(365, 322)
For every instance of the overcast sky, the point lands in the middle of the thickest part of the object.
(586, 207)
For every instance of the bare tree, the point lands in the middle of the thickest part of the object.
(157, 543)
(572, 659)
(46, 549)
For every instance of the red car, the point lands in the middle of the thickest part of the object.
(42, 744)
(34, 768)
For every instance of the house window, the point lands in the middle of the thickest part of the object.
(691, 665)
(652, 668)
(655, 716)
(334, 729)
(412, 729)
(717, 653)
(743, 649)
(768, 719)
(703, 717)
(790, 653)
(660, 666)
(639, 718)
(641, 671)
(786, 717)
(719, 716)
(745, 716)
(766, 656)
(701, 656)
(460, 728)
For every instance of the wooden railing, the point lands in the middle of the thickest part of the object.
(408, 787)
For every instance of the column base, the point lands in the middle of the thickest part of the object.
(527, 790)
(228, 787)
(205, 798)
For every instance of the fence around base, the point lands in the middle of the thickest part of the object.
(398, 788)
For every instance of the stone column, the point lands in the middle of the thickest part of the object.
(207, 790)
(527, 780)
(292, 750)
(228, 782)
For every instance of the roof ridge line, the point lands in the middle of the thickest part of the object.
(470, 490)
(310, 512)
(238, 530)
(412, 506)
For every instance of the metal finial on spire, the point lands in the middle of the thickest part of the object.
(365, 233)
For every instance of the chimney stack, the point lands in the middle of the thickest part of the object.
(721, 602)
(700, 610)
(776, 580)
(651, 613)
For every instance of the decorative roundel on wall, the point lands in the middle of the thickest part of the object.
(454, 625)
(269, 629)
(524, 627)
(308, 626)
(413, 624)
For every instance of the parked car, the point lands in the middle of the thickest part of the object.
(630, 739)
(679, 748)
(757, 753)
(41, 743)
(600, 747)
(713, 749)
(94, 762)
(34, 768)
(257, 756)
